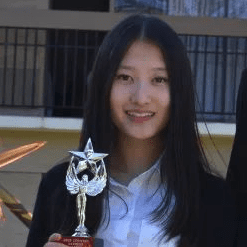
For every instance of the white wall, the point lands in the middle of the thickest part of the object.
(24, 4)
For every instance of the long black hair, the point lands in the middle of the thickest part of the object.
(183, 164)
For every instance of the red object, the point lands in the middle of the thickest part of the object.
(10, 156)
(14, 205)
(77, 241)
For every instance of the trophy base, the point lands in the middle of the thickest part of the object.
(77, 241)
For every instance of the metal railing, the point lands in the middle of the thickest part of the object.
(46, 69)
(216, 8)
(217, 64)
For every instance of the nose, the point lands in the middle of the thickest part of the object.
(141, 93)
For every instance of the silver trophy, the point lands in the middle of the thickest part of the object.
(88, 160)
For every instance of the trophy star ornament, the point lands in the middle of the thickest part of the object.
(88, 160)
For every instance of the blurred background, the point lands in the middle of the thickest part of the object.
(47, 48)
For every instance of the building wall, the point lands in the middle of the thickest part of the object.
(218, 150)
(25, 4)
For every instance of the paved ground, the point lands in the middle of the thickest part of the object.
(22, 177)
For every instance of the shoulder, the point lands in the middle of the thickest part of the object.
(55, 177)
(50, 205)
(58, 170)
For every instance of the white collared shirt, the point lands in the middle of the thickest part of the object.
(133, 228)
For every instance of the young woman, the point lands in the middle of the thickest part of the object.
(141, 112)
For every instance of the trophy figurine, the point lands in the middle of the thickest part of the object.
(87, 161)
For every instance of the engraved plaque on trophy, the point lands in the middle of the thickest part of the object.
(82, 186)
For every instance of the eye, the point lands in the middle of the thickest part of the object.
(160, 79)
(124, 78)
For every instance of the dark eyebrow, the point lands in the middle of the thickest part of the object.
(126, 67)
(160, 69)
(133, 68)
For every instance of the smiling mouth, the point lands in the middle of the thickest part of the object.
(139, 117)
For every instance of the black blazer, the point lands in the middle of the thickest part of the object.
(237, 170)
(217, 224)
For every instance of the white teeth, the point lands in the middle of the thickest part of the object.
(137, 114)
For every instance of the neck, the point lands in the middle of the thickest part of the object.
(134, 156)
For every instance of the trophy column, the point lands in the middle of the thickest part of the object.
(87, 161)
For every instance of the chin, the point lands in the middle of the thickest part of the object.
(142, 136)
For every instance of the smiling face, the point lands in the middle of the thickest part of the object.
(140, 95)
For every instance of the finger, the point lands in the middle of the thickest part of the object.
(55, 237)
(53, 244)
(52, 241)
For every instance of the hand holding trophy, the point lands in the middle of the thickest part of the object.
(87, 161)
